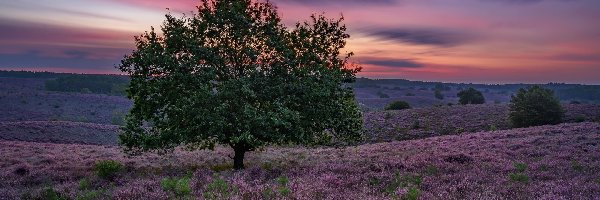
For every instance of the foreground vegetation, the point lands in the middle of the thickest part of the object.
(547, 162)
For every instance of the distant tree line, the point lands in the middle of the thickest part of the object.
(29, 74)
(97, 84)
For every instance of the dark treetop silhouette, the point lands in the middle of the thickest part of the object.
(233, 74)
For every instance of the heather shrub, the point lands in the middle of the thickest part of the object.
(179, 186)
(108, 169)
(398, 105)
(535, 106)
(470, 96)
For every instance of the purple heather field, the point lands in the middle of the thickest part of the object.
(433, 151)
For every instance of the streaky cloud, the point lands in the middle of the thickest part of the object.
(419, 36)
(341, 2)
(395, 63)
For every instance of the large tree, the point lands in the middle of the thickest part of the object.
(233, 74)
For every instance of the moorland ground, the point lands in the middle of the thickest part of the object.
(51, 141)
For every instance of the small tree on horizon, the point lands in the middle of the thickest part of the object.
(535, 106)
(438, 94)
(397, 105)
(234, 74)
(470, 96)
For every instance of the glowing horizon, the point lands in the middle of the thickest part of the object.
(479, 41)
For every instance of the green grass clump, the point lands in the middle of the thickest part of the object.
(91, 195)
(49, 193)
(85, 184)
(521, 167)
(577, 166)
(179, 186)
(519, 177)
(412, 194)
(400, 181)
(219, 189)
(108, 169)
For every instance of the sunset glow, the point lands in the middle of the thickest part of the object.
(480, 41)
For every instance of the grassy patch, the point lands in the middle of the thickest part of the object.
(108, 169)
(520, 167)
(219, 189)
(577, 166)
(179, 186)
(412, 194)
(403, 181)
(519, 177)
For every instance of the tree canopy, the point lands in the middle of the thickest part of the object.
(234, 74)
(535, 106)
(470, 96)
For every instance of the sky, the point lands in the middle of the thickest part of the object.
(478, 41)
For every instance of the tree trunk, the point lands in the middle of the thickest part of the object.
(238, 158)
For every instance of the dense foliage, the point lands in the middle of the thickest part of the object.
(535, 106)
(234, 74)
(398, 105)
(98, 84)
(470, 96)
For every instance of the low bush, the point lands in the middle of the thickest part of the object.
(219, 189)
(535, 106)
(470, 96)
(398, 105)
(108, 169)
(518, 177)
(179, 186)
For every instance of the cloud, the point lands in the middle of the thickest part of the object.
(431, 36)
(341, 2)
(395, 63)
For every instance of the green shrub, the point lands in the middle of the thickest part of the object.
(493, 127)
(284, 190)
(405, 181)
(91, 195)
(49, 193)
(521, 167)
(179, 186)
(219, 189)
(470, 96)
(577, 166)
(535, 106)
(108, 169)
(518, 177)
(580, 118)
(398, 105)
(85, 184)
(383, 95)
(412, 194)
